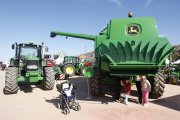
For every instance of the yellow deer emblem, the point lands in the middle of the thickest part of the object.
(132, 30)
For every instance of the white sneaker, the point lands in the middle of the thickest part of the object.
(126, 103)
(142, 103)
(137, 101)
(145, 105)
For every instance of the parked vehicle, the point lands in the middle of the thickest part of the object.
(126, 48)
(29, 66)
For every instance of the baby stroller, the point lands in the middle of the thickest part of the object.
(68, 97)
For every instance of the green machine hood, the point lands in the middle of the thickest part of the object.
(132, 46)
(133, 54)
(128, 46)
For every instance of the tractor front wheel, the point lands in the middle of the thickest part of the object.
(49, 78)
(158, 85)
(11, 84)
(69, 69)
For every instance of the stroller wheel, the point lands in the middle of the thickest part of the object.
(77, 108)
(66, 111)
(61, 106)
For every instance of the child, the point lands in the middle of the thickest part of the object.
(127, 90)
(146, 88)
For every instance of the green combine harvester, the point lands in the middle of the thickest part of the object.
(126, 48)
(28, 66)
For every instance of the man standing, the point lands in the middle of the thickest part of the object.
(138, 86)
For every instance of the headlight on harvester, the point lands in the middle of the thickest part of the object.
(32, 67)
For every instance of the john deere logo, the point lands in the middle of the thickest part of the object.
(133, 30)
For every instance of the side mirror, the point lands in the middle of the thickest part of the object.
(13, 46)
(46, 49)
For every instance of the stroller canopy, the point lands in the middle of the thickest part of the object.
(67, 88)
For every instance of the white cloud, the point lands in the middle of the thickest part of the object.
(148, 2)
(117, 2)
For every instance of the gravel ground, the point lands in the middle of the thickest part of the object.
(33, 103)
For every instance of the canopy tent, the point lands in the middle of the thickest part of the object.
(177, 62)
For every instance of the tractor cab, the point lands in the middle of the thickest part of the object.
(27, 49)
(28, 56)
(71, 59)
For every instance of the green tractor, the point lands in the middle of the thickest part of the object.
(84, 65)
(70, 65)
(171, 71)
(126, 48)
(29, 66)
(173, 74)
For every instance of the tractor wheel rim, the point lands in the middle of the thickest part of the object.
(69, 70)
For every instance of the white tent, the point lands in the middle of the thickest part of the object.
(60, 59)
(177, 62)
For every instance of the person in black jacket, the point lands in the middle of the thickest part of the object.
(138, 86)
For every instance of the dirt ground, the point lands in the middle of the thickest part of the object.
(33, 103)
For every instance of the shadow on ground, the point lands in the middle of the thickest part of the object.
(82, 93)
(54, 101)
(172, 102)
(28, 88)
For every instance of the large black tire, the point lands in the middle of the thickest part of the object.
(158, 85)
(69, 69)
(95, 85)
(11, 84)
(49, 78)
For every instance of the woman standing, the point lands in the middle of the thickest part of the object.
(146, 88)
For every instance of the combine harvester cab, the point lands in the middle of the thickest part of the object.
(124, 49)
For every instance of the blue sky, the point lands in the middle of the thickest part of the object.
(32, 20)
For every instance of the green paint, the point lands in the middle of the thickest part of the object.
(28, 58)
(88, 71)
(128, 46)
